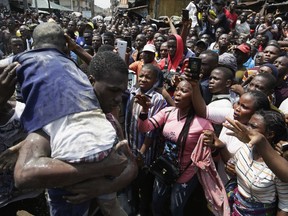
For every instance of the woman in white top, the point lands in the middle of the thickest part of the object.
(242, 111)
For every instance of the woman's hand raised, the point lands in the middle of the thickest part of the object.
(189, 76)
(143, 101)
(238, 130)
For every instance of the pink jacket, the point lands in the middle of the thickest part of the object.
(210, 180)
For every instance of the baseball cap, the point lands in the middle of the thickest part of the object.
(90, 24)
(149, 48)
(201, 42)
(228, 60)
(245, 48)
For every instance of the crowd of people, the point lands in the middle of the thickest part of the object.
(86, 130)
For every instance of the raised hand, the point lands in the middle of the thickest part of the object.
(175, 80)
(189, 77)
(166, 20)
(250, 136)
(143, 101)
(238, 130)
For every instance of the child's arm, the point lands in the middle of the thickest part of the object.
(78, 50)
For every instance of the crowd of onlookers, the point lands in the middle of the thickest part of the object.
(226, 127)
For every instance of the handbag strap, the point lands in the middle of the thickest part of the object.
(190, 162)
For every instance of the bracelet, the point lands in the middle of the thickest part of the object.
(143, 116)
(140, 154)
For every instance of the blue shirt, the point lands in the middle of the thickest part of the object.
(52, 86)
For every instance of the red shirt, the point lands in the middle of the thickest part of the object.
(231, 17)
(137, 66)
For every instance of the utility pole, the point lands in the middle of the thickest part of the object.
(72, 3)
(49, 7)
(92, 8)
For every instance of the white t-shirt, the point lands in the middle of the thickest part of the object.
(284, 106)
(221, 101)
(217, 115)
(81, 135)
(192, 11)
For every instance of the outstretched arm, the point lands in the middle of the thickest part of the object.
(168, 21)
(185, 29)
(78, 50)
(34, 168)
(197, 99)
(274, 161)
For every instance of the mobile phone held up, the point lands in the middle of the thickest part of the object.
(122, 46)
(185, 14)
(195, 67)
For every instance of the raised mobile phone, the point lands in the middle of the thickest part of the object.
(185, 14)
(195, 67)
(122, 46)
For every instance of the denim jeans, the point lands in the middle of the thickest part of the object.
(60, 207)
(137, 197)
(175, 196)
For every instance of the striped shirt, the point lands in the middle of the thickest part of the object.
(258, 182)
(134, 137)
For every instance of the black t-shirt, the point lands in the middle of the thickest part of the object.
(223, 22)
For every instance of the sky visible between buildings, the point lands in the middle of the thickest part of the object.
(102, 3)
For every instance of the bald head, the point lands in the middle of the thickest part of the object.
(49, 35)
